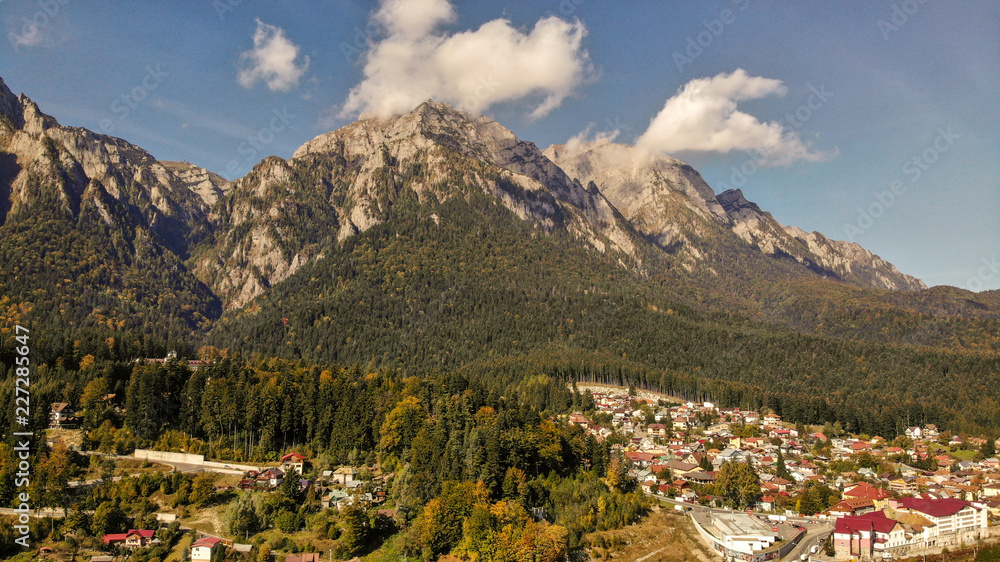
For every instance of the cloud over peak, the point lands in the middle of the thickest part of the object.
(703, 117)
(472, 69)
(273, 60)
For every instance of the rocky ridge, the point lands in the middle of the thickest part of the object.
(353, 176)
(264, 226)
(672, 205)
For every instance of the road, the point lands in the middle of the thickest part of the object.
(814, 537)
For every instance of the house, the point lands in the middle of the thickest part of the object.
(134, 538)
(658, 429)
(62, 416)
(728, 455)
(344, 474)
(772, 419)
(852, 506)
(700, 477)
(864, 490)
(639, 460)
(867, 534)
(859, 446)
(991, 491)
(681, 468)
(204, 548)
(332, 498)
(780, 433)
(781, 484)
(914, 432)
(272, 477)
(766, 503)
(293, 461)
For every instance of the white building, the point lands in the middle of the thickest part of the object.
(742, 533)
(204, 548)
(948, 515)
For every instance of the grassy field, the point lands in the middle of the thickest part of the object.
(664, 536)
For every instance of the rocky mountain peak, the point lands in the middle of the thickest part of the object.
(209, 186)
(631, 177)
(358, 172)
(734, 202)
(10, 106)
(664, 199)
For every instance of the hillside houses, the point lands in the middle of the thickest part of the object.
(677, 449)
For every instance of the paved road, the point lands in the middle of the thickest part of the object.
(814, 537)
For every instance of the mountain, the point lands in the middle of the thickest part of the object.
(94, 230)
(208, 185)
(672, 205)
(284, 213)
(438, 241)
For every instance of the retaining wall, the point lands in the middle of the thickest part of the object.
(164, 456)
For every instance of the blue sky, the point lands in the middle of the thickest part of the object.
(900, 153)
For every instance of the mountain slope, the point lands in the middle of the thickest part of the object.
(846, 261)
(284, 214)
(671, 204)
(94, 230)
(208, 185)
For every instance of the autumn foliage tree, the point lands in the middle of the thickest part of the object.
(739, 483)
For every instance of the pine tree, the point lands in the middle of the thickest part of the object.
(779, 467)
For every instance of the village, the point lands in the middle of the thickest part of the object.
(868, 490)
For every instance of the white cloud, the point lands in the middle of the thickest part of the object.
(703, 117)
(272, 60)
(586, 140)
(470, 69)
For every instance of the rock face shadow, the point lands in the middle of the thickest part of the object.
(9, 169)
